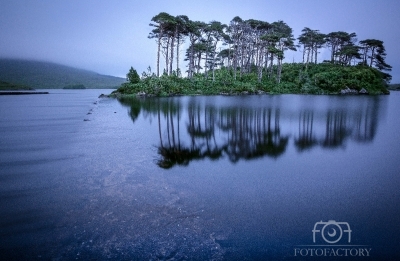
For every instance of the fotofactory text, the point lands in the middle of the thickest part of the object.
(332, 239)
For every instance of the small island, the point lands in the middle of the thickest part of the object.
(247, 57)
(394, 87)
(7, 88)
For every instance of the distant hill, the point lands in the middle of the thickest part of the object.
(394, 87)
(46, 75)
(9, 86)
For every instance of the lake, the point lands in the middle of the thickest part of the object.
(268, 177)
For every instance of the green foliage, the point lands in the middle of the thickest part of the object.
(253, 46)
(132, 76)
(325, 78)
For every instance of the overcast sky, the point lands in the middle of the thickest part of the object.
(109, 36)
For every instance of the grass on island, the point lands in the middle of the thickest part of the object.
(324, 78)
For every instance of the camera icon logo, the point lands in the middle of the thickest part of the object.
(331, 231)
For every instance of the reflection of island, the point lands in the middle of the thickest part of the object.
(306, 138)
(246, 134)
(359, 125)
(336, 129)
(252, 133)
(195, 131)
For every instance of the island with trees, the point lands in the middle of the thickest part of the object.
(247, 57)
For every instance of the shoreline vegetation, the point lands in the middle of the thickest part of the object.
(319, 79)
(246, 57)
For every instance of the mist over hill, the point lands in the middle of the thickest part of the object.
(47, 75)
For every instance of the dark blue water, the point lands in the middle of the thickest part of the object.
(199, 178)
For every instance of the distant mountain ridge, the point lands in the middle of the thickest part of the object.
(48, 75)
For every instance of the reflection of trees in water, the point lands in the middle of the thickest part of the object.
(358, 124)
(366, 122)
(201, 129)
(252, 133)
(207, 131)
(172, 150)
(306, 138)
(336, 129)
(247, 134)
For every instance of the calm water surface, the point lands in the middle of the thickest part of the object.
(199, 178)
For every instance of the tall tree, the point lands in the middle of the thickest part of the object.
(336, 41)
(132, 76)
(259, 29)
(194, 31)
(348, 53)
(215, 33)
(285, 42)
(180, 32)
(312, 40)
(160, 24)
(374, 53)
(235, 34)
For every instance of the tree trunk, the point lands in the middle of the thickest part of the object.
(271, 65)
(312, 53)
(158, 53)
(372, 56)
(308, 54)
(316, 54)
(177, 54)
(167, 57)
(213, 61)
(191, 59)
(266, 58)
(259, 64)
(229, 56)
(235, 63)
(279, 73)
(198, 63)
(205, 63)
(172, 55)
(241, 60)
(258, 53)
(365, 50)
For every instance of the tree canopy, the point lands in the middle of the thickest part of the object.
(244, 51)
(245, 44)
